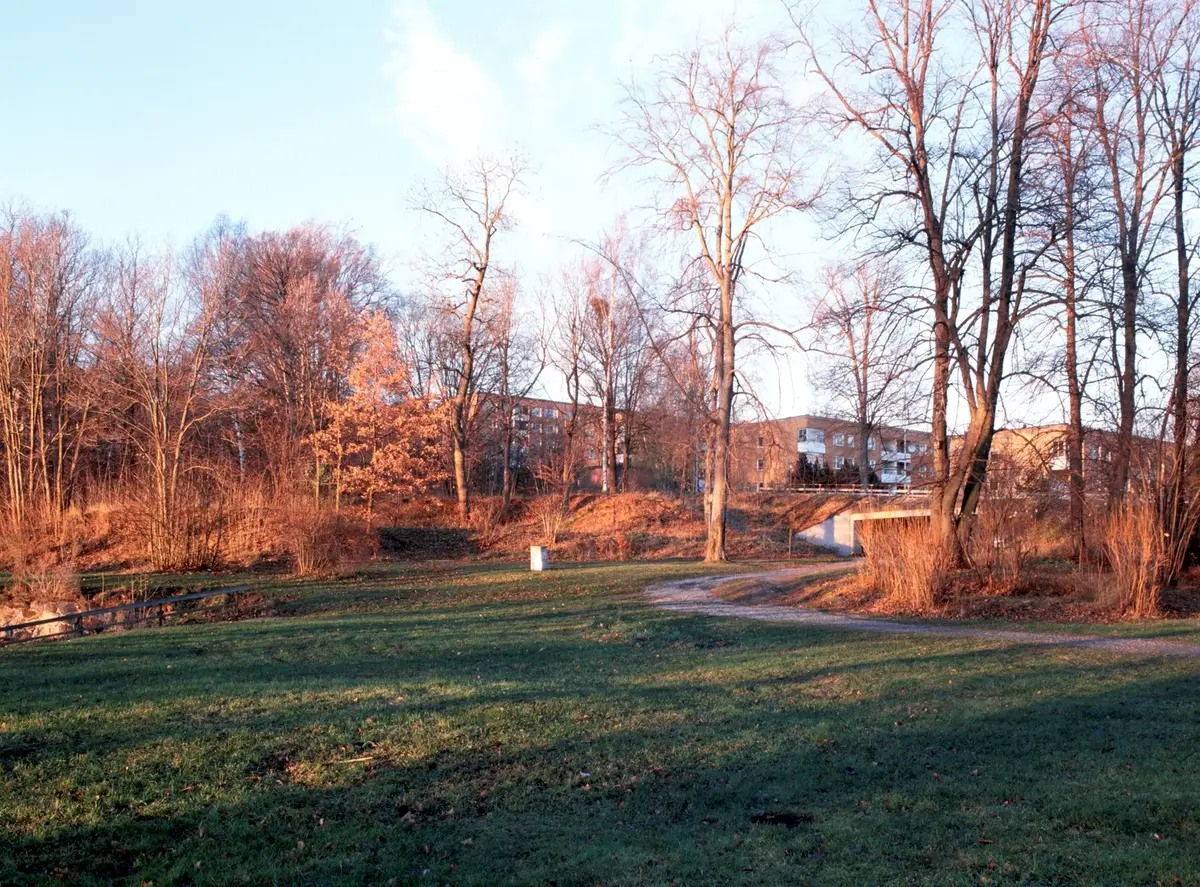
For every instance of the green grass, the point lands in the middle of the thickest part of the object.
(553, 729)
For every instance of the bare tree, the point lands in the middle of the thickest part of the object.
(721, 140)
(956, 138)
(566, 353)
(1072, 157)
(158, 342)
(1126, 42)
(516, 350)
(48, 291)
(616, 347)
(1175, 107)
(296, 315)
(861, 328)
(472, 206)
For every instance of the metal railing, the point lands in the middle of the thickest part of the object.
(77, 622)
(856, 489)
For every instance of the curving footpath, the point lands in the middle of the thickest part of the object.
(695, 596)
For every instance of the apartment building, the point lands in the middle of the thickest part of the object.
(766, 454)
(539, 442)
(1026, 456)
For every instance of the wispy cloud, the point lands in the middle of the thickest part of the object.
(447, 103)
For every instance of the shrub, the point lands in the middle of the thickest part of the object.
(325, 543)
(1000, 544)
(248, 530)
(50, 580)
(42, 572)
(486, 519)
(185, 533)
(1137, 556)
(551, 516)
(904, 563)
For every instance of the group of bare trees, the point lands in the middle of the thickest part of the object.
(1009, 194)
(165, 378)
(1028, 170)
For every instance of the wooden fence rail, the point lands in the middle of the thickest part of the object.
(76, 621)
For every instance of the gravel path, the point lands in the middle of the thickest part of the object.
(696, 596)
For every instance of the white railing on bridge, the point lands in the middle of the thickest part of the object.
(872, 491)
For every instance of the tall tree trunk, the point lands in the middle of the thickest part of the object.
(1126, 383)
(943, 498)
(506, 470)
(460, 479)
(1074, 441)
(1174, 515)
(715, 549)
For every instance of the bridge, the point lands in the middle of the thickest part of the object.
(839, 533)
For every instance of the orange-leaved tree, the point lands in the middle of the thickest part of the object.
(379, 439)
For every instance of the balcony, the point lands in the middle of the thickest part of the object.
(811, 447)
(893, 456)
(894, 477)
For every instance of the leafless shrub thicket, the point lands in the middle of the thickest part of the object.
(551, 516)
(325, 543)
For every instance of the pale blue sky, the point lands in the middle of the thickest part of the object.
(153, 117)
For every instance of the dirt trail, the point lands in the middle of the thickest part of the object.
(696, 596)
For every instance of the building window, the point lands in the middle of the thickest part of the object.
(871, 464)
(870, 443)
(550, 413)
(849, 440)
(839, 439)
(760, 441)
(810, 435)
(839, 462)
(759, 465)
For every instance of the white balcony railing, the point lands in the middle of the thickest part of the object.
(894, 477)
(811, 448)
(893, 456)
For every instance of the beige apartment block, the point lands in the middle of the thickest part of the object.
(1026, 455)
(764, 453)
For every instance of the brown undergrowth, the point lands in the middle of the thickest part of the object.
(1053, 590)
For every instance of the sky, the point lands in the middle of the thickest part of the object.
(152, 118)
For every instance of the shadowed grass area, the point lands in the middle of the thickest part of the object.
(479, 725)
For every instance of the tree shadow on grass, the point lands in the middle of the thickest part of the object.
(1056, 790)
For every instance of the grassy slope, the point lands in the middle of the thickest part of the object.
(553, 729)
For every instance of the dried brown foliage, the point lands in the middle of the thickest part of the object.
(325, 543)
(1137, 555)
(905, 563)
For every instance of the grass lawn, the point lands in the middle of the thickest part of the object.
(479, 725)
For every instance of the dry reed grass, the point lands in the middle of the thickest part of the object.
(1137, 556)
(1003, 538)
(906, 566)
